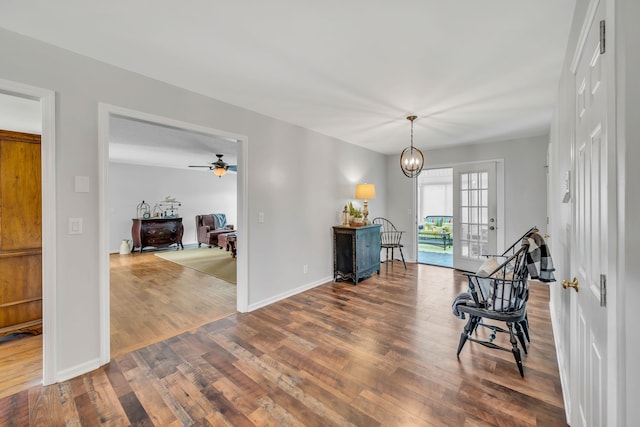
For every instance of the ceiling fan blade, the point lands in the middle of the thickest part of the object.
(233, 168)
(199, 166)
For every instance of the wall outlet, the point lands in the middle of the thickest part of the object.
(305, 269)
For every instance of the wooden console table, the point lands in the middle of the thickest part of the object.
(157, 232)
(356, 252)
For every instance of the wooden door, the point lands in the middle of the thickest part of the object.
(20, 233)
(474, 210)
(589, 254)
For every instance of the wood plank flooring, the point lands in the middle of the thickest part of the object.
(380, 353)
(151, 300)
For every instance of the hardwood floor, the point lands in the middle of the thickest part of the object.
(151, 300)
(20, 364)
(380, 353)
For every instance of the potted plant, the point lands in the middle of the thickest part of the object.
(355, 216)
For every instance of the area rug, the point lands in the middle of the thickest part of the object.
(435, 255)
(212, 261)
(426, 247)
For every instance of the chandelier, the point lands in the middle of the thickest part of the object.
(411, 159)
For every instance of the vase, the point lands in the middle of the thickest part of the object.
(125, 248)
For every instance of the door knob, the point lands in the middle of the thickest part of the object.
(566, 284)
(491, 227)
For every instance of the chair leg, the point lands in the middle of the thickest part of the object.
(525, 327)
(386, 260)
(463, 340)
(521, 337)
(402, 256)
(515, 350)
(471, 325)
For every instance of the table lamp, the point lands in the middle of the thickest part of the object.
(365, 192)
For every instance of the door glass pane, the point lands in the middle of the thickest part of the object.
(464, 181)
(464, 248)
(464, 198)
(484, 180)
(484, 233)
(474, 198)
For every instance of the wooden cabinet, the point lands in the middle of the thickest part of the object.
(20, 234)
(157, 232)
(356, 252)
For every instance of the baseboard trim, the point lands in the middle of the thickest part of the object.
(564, 375)
(77, 370)
(288, 294)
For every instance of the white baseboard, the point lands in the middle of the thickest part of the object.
(287, 294)
(77, 370)
(564, 375)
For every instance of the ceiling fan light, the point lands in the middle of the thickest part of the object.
(219, 171)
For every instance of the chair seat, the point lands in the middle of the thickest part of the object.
(510, 316)
(391, 245)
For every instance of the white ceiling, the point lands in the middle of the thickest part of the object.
(472, 71)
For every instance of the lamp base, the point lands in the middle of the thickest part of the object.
(365, 213)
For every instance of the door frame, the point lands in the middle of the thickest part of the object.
(47, 99)
(500, 202)
(105, 111)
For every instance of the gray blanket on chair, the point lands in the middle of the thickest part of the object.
(462, 299)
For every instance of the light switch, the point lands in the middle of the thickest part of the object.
(75, 225)
(260, 217)
(81, 184)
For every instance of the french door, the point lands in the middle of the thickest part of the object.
(475, 213)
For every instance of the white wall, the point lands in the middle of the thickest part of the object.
(298, 178)
(200, 192)
(524, 189)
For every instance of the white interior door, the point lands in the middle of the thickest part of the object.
(475, 212)
(589, 254)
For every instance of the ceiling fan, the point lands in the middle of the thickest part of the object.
(219, 167)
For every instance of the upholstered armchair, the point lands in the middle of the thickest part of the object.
(210, 226)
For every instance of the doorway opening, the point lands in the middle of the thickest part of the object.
(162, 284)
(189, 208)
(31, 110)
(435, 217)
